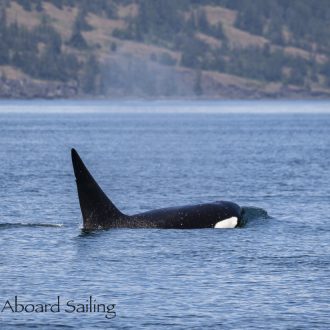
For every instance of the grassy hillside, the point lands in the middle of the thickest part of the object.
(160, 48)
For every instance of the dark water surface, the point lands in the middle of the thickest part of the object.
(273, 273)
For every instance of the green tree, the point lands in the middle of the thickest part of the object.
(77, 40)
(46, 34)
(159, 20)
(39, 6)
(90, 74)
(193, 52)
(26, 4)
(202, 22)
(325, 70)
(198, 89)
(250, 18)
(80, 23)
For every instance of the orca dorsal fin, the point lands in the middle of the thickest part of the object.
(97, 209)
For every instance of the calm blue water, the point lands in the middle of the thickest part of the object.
(274, 273)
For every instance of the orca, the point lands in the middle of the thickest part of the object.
(99, 212)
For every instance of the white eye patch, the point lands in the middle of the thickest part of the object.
(227, 223)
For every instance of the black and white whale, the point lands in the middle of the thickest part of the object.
(100, 213)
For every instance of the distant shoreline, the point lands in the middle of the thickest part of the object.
(25, 89)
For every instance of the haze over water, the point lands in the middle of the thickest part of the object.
(164, 106)
(273, 273)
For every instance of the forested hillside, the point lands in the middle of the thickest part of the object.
(160, 48)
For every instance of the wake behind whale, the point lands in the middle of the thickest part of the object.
(10, 225)
(100, 213)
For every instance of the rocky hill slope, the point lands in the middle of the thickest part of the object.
(164, 49)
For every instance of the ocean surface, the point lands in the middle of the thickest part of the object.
(272, 274)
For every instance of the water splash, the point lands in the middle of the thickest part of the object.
(252, 213)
